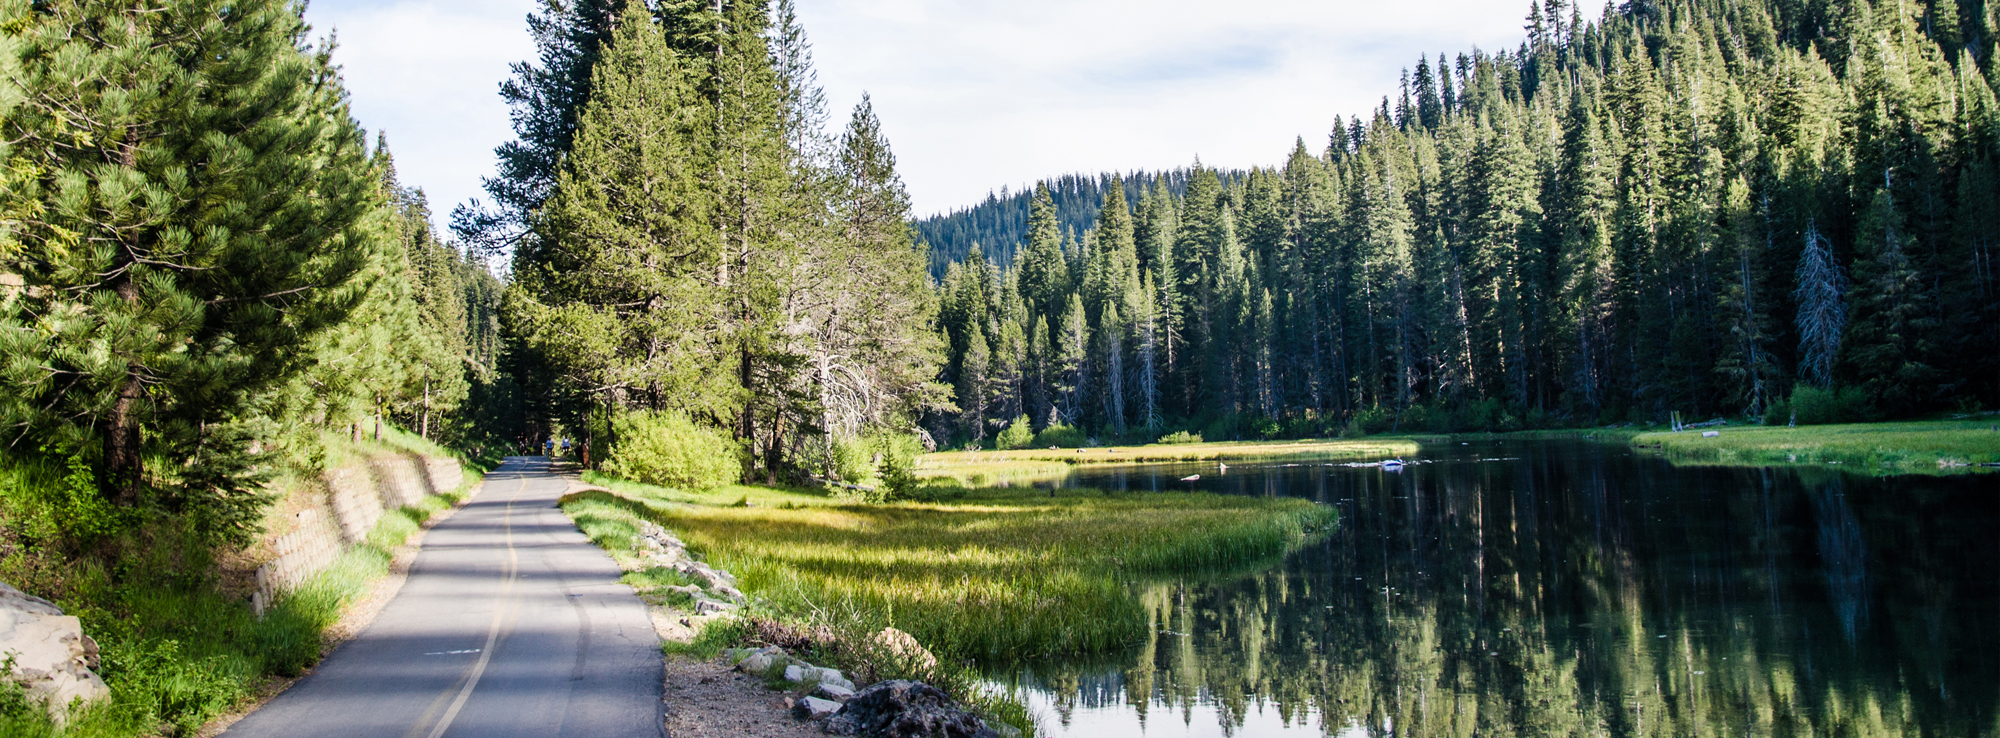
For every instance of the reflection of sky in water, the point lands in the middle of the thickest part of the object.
(1566, 588)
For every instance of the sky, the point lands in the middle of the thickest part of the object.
(973, 94)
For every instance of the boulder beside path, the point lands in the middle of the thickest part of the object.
(50, 657)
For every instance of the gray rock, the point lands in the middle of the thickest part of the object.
(825, 675)
(756, 663)
(686, 589)
(906, 648)
(736, 656)
(814, 708)
(704, 606)
(52, 658)
(795, 674)
(834, 692)
(905, 709)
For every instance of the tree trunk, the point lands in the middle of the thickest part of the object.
(424, 420)
(122, 465)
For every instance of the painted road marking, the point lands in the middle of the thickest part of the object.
(500, 608)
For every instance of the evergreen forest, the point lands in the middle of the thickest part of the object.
(1777, 211)
(1781, 211)
(216, 289)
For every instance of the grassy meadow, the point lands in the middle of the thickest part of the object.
(1918, 447)
(1020, 466)
(994, 575)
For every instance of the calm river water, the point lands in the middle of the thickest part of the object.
(1569, 588)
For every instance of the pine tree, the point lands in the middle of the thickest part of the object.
(545, 99)
(1148, 347)
(198, 205)
(1888, 346)
(974, 385)
(618, 296)
(1070, 370)
(1043, 268)
(871, 293)
(1111, 336)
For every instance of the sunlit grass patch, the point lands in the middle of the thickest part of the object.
(1922, 447)
(1020, 466)
(1002, 575)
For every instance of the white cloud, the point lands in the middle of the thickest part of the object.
(428, 73)
(972, 94)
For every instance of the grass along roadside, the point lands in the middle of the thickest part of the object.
(1917, 447)
(180, 644)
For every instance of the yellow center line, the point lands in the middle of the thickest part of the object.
(499, 617)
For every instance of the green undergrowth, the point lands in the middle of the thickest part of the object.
(180, 645)
(1920, 447)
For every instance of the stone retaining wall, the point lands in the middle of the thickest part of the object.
(313, 525)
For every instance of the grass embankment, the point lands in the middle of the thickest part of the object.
(1921, 447)
(1018, 466)
(994, 575)
(180, 644)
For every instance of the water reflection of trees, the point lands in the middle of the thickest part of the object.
(1576, 596)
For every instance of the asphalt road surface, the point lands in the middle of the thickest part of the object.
(511, 624)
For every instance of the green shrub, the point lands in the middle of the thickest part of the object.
(1266, 428)
(1061, 436)
(1368, 421)
(1816, 406)
(1778, 412)
(1486, 415)
(896, 464)
(1415, 417)
(854, 460)
(1180, 437)
(1019, 434)
(1226, 428)
(671, 450)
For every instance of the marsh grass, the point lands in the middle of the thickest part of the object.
(988, 468)
(999, 575)
(992, 577)
(1921, 447)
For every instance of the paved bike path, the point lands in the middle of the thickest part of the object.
(511, 623)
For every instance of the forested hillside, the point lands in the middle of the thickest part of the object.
(1738, 209)
(999, 225)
